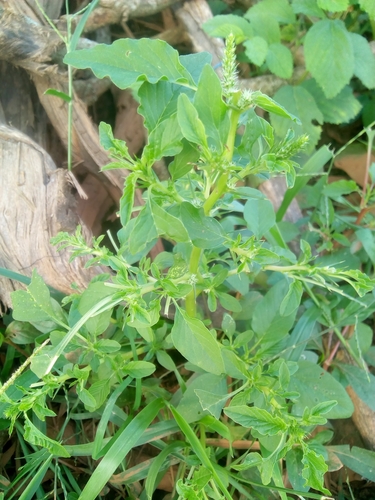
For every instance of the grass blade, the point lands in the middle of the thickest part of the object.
(120, 448)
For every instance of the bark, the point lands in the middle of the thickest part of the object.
(36, 204)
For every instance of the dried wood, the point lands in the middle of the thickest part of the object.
(36, 204)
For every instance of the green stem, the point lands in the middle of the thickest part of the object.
(218, 191)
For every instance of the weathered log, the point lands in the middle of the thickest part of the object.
(37, 203)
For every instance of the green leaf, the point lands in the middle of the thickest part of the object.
(279, 60)
(37, 438)
(127, 199)
(358, 460)
(260, 420)
(139, 369)
(95, 292)
(124, 440)
(280, 10)
(184, 161)
(333, 5)
(194, 341)
(259, 214)
(362, 382)
(336, 190)
(212, 111)
(329, 55)
(158, 102)
(340, 109)
(191, 126)
(314, 165)
(99, 390)
(228, 302)
(315, 385)
(195, 63)
(292, 299)
(21, 333)
(127, 61)
(307, 7)
(268, 104)
(214, 403)
(299, 102)
(294, 468)
(204, 232)
(364, 60)
(314, 470)
(256, 49)
(264, 25)
(223, 25)
(167, 224)
(369, 7)
(267, 321)
(34, 303)
(109, 143)
(366, 237)
(164, 140)
(59, 94)
(143, 232)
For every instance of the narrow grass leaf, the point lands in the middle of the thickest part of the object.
(157, 465)
(119, 449)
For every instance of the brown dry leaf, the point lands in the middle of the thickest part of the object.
(353, 162)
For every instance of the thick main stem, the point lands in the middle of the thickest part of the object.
(218, 191)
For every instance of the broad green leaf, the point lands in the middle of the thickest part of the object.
(195, 63)
(204, 232)
(143, 232)
(279, 60)
(259, 215)
(214, 403)
(358, 460)
(34, 436)
(127, 199)
(124, 440)
(364, 60)
(95, 292)
(267, 321)
(315, 385)
(268, 104)
(362, 382)
(294, 468)
(264, 25)
(260, 420)
(223, 25)
(211, 109)
(158, 101)
(336, 190)
(34, 303)
(361, 339)
(194, 341)
(184, 161)
(107, 346)
(366, 237)
(340, 109)
(299, 102)
(314, 470)
(307, 7)
(229, 302)
(21, 333)
(256, 49)
(167, 224)
(369, 7)
(314, 165)
(127, 61)
(329, 55)
(280, 10)
(292, 299)
(139, 369)
(191, 126)
(164, 140)
(99, 390)
(333, 5)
